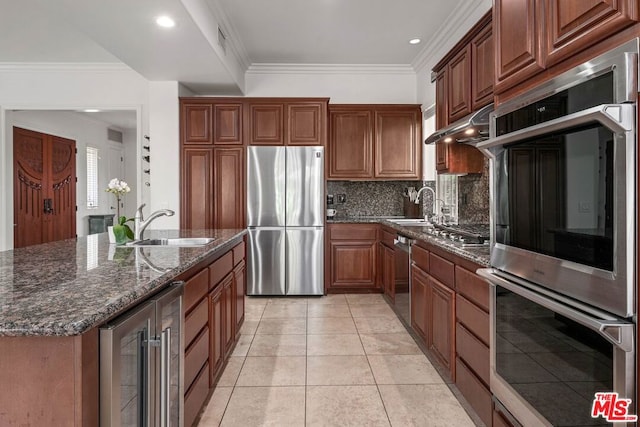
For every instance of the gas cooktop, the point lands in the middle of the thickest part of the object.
(467, 234)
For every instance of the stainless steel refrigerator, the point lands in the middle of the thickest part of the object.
(285, 218)
(141, 364)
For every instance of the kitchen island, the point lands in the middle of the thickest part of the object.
(53, 298)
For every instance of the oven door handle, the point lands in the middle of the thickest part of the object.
(619, 118)
(617, 332)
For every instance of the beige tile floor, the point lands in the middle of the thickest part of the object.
(339, 360)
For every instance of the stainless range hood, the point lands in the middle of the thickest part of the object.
(471, 129)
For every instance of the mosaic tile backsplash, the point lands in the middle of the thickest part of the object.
(375, 198)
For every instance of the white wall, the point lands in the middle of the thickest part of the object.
(62, 87)
(164, 108)
(86, 132)
(343, 86)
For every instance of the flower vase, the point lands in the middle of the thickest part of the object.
(120, 234)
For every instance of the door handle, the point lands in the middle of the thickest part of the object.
(48, 206)
(165, 378)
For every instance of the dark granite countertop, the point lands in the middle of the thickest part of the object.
(479, 255)
(67, 287)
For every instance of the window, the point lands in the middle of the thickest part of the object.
(447, 191)
(92, 178)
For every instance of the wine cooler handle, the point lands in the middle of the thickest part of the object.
(165, 378)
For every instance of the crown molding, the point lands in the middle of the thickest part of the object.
(276, 68)
(439, 45)
(233, 39)
(63, 66)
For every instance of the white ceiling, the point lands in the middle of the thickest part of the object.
(352, 32)
(335, 31)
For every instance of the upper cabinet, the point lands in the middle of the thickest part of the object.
(276, 122)
(205, 122)
(196, 123)
(532, 35)
(459, 84)
(464, 77)
(464, 83)
(374, 142)
(266, 124)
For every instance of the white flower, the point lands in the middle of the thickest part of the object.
(118, 187)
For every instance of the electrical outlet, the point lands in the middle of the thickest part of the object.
(342, 198)
(329, 199)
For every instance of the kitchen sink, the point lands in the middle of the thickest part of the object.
(175, 242)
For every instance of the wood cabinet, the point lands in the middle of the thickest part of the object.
(214, 133)
(482, 64)
(464, 83)
(442, 98)
(306, 123)
(518, 41)
(294, 122)
(228, 188)
(350, 143)
(227, 123)
(473, 340)
(212, 307)
(197, 188)
(419, 296)
(441, 315)
(459, 84)
(195, 122)
(266, 124)
(455, 158)
(396, 154)
(374, 142)
(532, 35)
(352, 256)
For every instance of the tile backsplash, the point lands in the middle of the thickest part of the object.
(473, 197)
(375, 198)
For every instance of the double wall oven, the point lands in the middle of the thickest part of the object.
(563, 183)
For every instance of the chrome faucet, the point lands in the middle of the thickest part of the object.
(433, 206)
(417, 201)
(141, 224)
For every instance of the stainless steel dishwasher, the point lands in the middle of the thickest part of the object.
(402, 293)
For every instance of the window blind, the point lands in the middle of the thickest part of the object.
(92, 178)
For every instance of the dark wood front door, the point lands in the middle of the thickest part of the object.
(44, 186)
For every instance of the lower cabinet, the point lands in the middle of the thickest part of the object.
(352, 255)
(419, 295)
(214, 311)
(441, 315)
(387, 275)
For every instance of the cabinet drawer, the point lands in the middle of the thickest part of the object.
(473, 287)
(196, 395)
(195, 321)
(195, 357)
(473, 352)
(238, 253)
(195, 289)
(441, 269)
(476, 394)
(420, 257)
(473, 318)
(387, 237)
(220, 268)
(353, 232)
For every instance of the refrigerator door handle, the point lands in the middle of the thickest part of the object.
(165, 377)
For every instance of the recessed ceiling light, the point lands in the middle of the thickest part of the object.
(91, 110)
(414, 41)
(165, 21)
